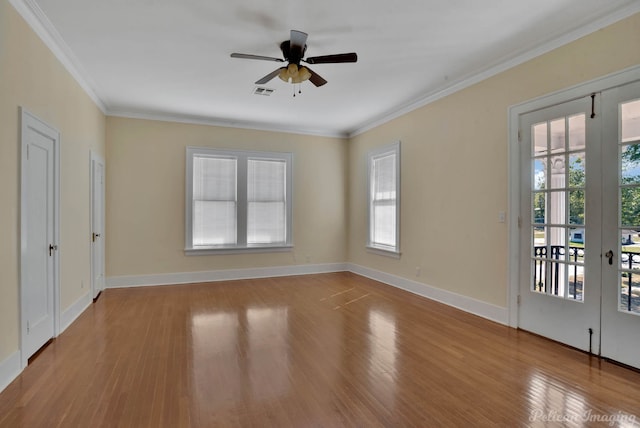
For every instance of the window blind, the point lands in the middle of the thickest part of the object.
(266, 201)
(383, 200)
(214, 201)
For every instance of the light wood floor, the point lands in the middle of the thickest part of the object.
(326, 350)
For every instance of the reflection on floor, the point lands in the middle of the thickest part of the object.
(327, 350)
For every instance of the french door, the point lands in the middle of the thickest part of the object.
(560, 266)
(580, 212)
(621, 225)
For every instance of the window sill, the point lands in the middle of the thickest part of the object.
(205, 251)
(382, 252)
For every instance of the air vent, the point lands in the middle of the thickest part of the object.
(263, 91)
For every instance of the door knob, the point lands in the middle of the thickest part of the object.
(609, 255)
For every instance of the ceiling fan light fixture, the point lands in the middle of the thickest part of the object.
(303, 75)
(284, 75)
(293, 51)
(294, 74)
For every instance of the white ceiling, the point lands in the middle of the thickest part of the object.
(170, 59)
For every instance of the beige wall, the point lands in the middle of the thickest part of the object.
(454, 168)
(146, 196)
(31, 77)
(454, 176)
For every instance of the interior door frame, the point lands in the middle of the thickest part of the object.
(600, 84)
(96, 157)
(30, 121)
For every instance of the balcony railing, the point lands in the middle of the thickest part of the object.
(629, 261)
(576, 255)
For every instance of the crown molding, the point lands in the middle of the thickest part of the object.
(210, 121)
(502, 65)
(40, 24)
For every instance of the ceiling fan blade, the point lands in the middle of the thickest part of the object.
(260, 57)
(270, 76)
(329, 59)
(297, 46)
(315, 78)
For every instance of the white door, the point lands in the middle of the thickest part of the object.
(560, 220)
(38, 234)
(97, 224)
(621, 224)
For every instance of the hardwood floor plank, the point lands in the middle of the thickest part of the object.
(309, 351)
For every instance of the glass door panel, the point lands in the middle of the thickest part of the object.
(560, 290)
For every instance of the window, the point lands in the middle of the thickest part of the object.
(384, 198)
(237, 200)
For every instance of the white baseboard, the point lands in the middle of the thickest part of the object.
(467, 304)
(464, 303)
(9, 369)
(70, 314)
(221, 275)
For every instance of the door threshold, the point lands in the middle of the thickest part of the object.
(623, 365)
(582, 351)
(95, 299)
(39, 351)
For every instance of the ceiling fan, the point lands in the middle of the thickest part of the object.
(293, 52)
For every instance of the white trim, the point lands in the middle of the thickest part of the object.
(40, 24)
(75, 310)
(464, 303)
(609, 81)
(502, 65)
(12, 366)
(373, 154)
(221, 275)
(9, 370)
(382, 252)
(97, 158)
(467, 304)
(242, 250)
(228, 123)
(27, 120)
(242, 159)
(513, 229)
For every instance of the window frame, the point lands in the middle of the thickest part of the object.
(242, 156)
(372, 155)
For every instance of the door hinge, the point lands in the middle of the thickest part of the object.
(518, 300)
(28, 327)
(27, 151)
(519, 136)
(519, 222)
